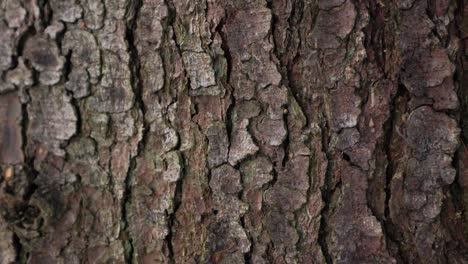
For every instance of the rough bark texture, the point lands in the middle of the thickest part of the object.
(234, 131)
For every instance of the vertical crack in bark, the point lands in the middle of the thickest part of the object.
(128, 243)
(247, 255)
(177, 199)
(172, 20)
(27, 167)
(282, 67)
(228, 57)
(322, 235)
(24, 134)
(18, 247)
(31, 174)
(172, 217)
(458, 191)
(461, 27)
(224, 45)
(283, 70)
(377, 45)
(135, 80)
(389, 133)
(326, 193)
(300, 66)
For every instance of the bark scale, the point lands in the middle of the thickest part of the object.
(233, 131)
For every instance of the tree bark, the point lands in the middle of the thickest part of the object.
(233, 131)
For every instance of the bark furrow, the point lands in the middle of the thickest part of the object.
(233, 131)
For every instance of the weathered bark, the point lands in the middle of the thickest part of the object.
(234, 131)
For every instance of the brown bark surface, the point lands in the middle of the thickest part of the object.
(233, 131)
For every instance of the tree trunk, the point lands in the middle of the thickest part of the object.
(234, 131)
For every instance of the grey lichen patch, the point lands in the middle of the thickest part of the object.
(276, 97)
(89, 171)
(263, 72)
(215, 90)
(347, 138)
(248, 27)
(113, 39)
(149, 28)
(257, 172)
(229, 207)
(433, 138)
(152, 72)
(6, 46)
(228, 241)
(14, 13)
(425, 175)
(93, 11)
(78, 83)
(247, 35)
(244, 88)
(296, 175)
(149, 36)
(191, 28)
(171, 139)
(444, 96)
(99, 124)
(115, 9)
(173, 170)
(85, 54)
(272, 132)
(281, 232)
(54, 29)
(50, 77)
(125, 125)
(168, 135)
(217, 144)
(66, 10)
(114, 92)
(6, 247)
(429, 132)
(242, 144)
(345, 108)
(427, 69)
(6, 87)
(81, 147)
(52, 118)
(225, 179)
(21, 76)
(329, 31)
(433, 207)
(245, 110)
(429, 74)
(45, 58)
(199, 69)
(415, 200)
(405, 4)
(153, 113)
